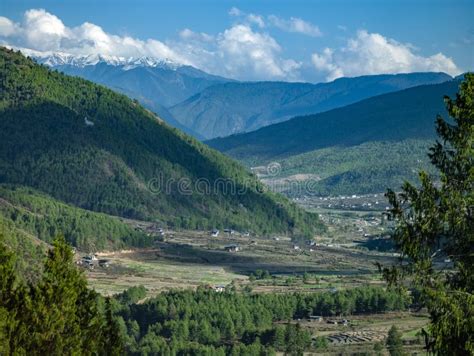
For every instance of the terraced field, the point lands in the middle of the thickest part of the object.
(187, 259)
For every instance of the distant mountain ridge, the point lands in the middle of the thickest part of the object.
(408, 113)
(127, 63)
(208, 106)
(230, 108)
(165, 81)
(364, 147)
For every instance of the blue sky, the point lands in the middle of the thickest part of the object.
(256, 40)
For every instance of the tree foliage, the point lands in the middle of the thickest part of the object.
(436, 223)
(394, 342)
(45, 218)
(58, 315)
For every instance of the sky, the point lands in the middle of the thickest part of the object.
(289, 40)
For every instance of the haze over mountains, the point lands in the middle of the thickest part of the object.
(229, 108)
(208, 106)
(405, 114)
(363, 147)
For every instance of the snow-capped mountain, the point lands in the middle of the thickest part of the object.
(61, 59)
(157, 83)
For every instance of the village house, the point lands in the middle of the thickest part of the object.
(90, 258)
(215, 233)
(232, 248)
(219, 288)
(104, 263)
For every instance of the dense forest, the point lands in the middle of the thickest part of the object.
(87, 146)
(45, 218)
(207, 322)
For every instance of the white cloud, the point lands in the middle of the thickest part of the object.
(249, 19)
(7, 27)
(256, 19)
(296, 25)
(372, 53)
(324, 62)
(257, 54)
(188, 35)
(42, 31)
(235, 11)
(238, 52)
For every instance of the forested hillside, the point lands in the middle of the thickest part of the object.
(371, 167)
(90, 147)
(46, 218)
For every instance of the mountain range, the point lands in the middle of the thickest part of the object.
(84, 145)
(156, 83)
(208, 106)
(363, 147)
(229, 108)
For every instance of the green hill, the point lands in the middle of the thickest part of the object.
(44, 217)
(360, 148)
(98, 150)
(371, 167)
(30, 220)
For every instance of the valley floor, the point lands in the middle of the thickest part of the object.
(187, 259)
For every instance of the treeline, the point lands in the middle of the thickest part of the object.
(206, 322)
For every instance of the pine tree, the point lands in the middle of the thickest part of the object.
(112, 341)
(7, 298)
(13, 298)
(394, 342)
(58, 315)
(435, 222)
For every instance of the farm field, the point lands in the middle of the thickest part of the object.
(364, 331)
(187, 259)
